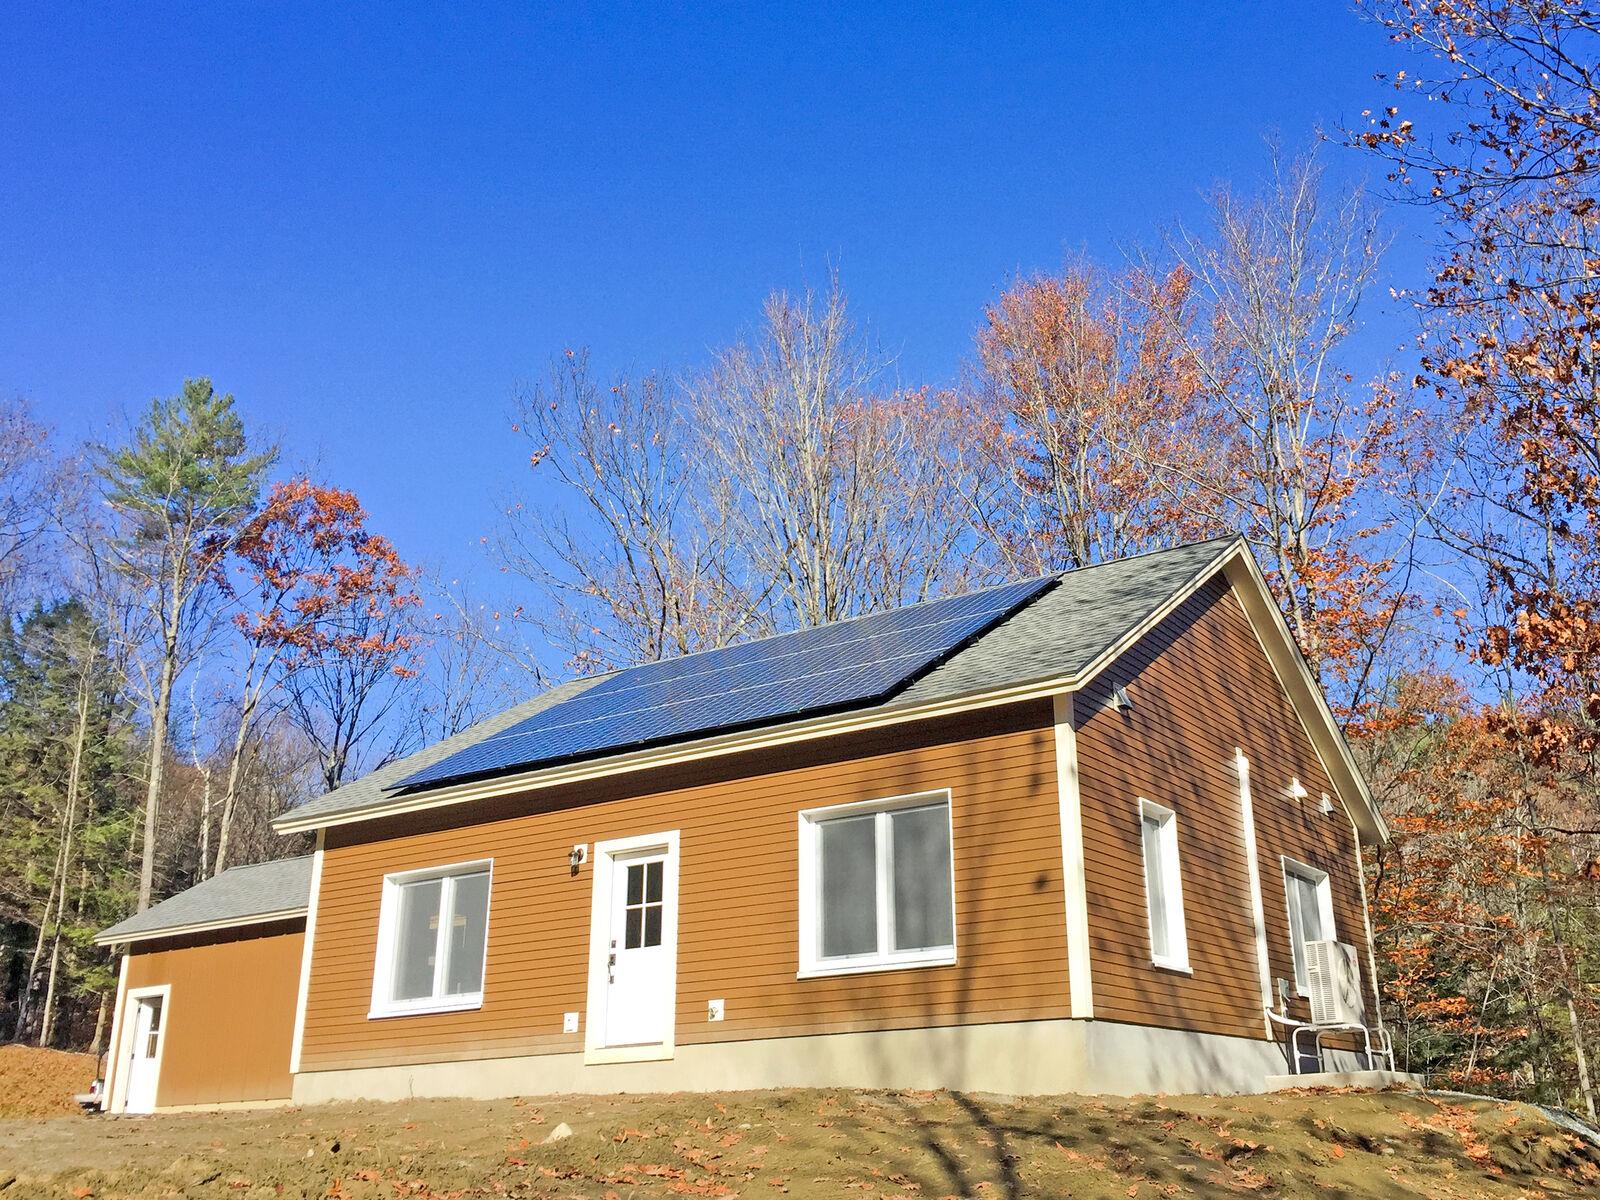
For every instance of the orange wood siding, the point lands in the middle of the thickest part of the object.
(738, 896)
(230, 1016)
(1201, 686)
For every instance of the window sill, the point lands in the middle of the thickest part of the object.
(1177, 968)
(866, 967)
(425, 1008)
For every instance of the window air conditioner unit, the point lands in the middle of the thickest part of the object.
(1335, 984)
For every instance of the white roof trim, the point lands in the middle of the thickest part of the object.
(1234, 559)
(1305, 693)
(171, 931)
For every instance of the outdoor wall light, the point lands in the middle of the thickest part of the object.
(1297, 790)
(579, 855)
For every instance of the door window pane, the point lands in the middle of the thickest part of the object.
(469, 920)
(642, 905)
(416, 939)
(923, 909)
(847, 850)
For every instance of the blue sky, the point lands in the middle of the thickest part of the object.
(370, 223)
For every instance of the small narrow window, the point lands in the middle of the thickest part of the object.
(1310, 902)
(1163, 886)
(876, 886)
(432, 934)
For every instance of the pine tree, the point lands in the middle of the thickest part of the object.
(181, 490)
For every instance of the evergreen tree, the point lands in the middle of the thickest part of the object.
(67, 811)
(180, 490)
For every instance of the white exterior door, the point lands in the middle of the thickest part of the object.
(633, 949)
(144, 1053)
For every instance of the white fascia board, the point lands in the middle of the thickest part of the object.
(1235, 559)
(172, 931)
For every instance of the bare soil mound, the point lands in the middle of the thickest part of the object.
(41, 1083)
(836, 1143)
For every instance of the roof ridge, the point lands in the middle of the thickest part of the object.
(266, 862)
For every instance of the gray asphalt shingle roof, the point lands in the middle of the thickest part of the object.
(1062, 632)
(1059, 634)
(237, 895)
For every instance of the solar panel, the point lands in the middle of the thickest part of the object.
(855, 662)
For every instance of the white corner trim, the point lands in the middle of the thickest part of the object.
(1366, 926)
(603, 862)
(112, 1074)
(305, 955)
(1074, 877)
(1252, 865)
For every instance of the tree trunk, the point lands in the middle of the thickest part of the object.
(64, 856)
(158, 753)
(52, 904)
(1584, 1085)
(252, 695)
(47, 1020)
(97, 1046)
(205, 820)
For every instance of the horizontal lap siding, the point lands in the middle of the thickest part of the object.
(230, 1015)
(1201, 686)
(737, 897)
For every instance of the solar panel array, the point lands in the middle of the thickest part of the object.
(835, 666)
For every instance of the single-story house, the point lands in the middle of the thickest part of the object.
(1095, 832)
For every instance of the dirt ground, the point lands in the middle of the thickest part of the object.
(41, 1083)
(813, 1143)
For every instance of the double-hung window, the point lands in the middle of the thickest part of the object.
(1163, 886)
(877, 886)
(433, 930)
(1310, 901)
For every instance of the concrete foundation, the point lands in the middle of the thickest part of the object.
(1018, 1058)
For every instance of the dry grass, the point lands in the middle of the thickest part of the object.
(815, 1143)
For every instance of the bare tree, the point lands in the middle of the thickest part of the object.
(629, 568)
(821, 480)
(1280, 277)
(467, 676)
(31, 481)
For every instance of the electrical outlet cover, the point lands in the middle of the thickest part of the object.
(569, 1022)
(714, 1010)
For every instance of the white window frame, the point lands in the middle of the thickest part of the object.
(1177, 957)
(812, 963)
(388, 930)
(1319, 879)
